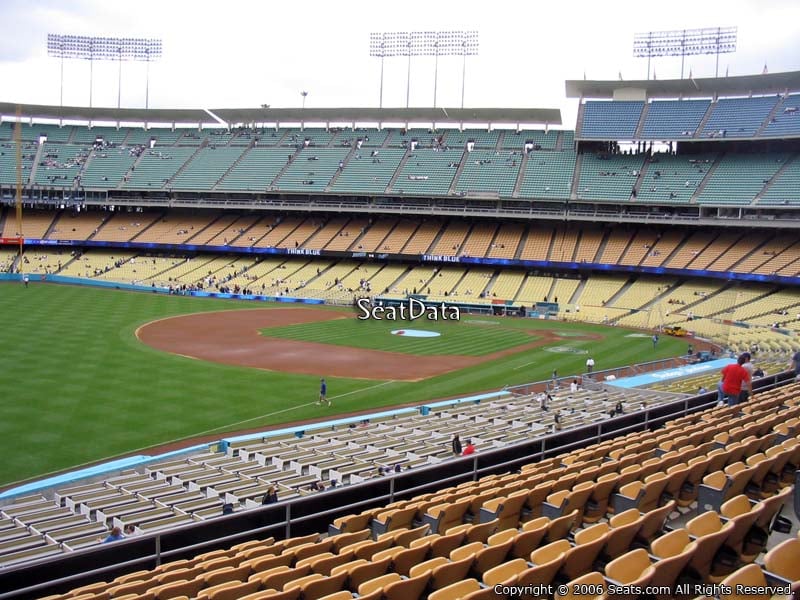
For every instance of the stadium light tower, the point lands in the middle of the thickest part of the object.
(469, 47)
(423, 43)
(104, 48)
(685, 42)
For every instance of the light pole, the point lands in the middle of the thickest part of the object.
(104, 48)
(304, 94)
(469, 47)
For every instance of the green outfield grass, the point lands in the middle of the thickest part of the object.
(77, 386)
(455, 338)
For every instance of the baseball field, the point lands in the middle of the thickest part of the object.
(91, 374)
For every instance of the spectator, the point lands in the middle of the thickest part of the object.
(270, 496)
(469, 449)
(795, 364)
(747, 387)
(456, 444)
(114, 536)
(734, 378)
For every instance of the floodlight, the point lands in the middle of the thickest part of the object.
(686, 42)
(423, 43)
(94, 48)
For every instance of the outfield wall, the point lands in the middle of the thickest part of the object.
(100, 283)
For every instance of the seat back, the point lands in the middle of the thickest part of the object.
(750, 576)
(653, 522)
(784, 559)
(547, 564)
(508, 515)
(578, 498)
(407, 558)
(481, 531)
(707, 546)
(278, 577)
(343, 540)
(629, 567)
(547, 553)
(676, 476)
(537, 496)
(445, 544)
(323, 586)
(526, 542)
(653, 488)
(560, 527)
(505, 573)
(404, 538)
(704, 524)
(588, 544)
(352, 523)
(668, 569)
(491, 556)
(453, 515)
(597, 506)
(455, 591)
(773, 506)
(450, 572)
(407, 589)
(624, 528)
(178, 588)
(592, 582)
(670, 544)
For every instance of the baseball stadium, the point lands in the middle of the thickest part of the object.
(255, 339)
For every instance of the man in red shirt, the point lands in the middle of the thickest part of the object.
(734, 376)
(469, 449)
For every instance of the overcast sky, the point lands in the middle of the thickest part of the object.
(243, 54)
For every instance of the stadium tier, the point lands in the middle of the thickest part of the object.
(671, 178)
(681, 120)
(311, 169)
(673, 120)
(532, 164)
(738, 117)
(489, 171)
(611, 120)
(594, 507)
(761, 252)
(608, 177)
(737, 179)
(548, 175)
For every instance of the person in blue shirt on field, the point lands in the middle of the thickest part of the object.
(323, 393)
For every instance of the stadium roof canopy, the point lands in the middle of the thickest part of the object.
(767, 83)
(85, 113)
(235, 116)
(551, 116)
